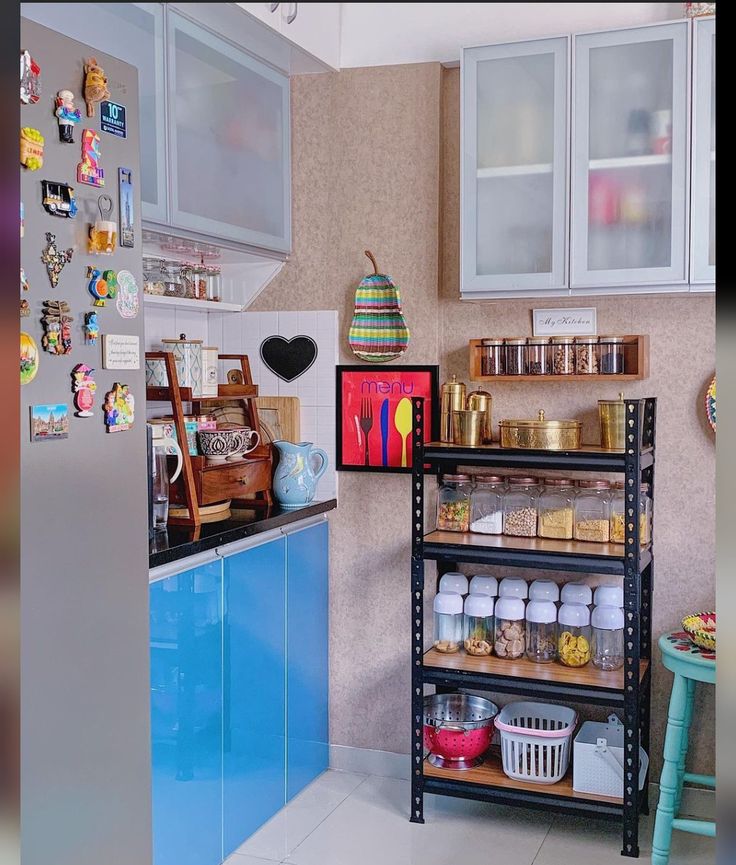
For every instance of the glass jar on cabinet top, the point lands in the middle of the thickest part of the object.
(611, 355)
(520, 507)
(563, 355)
(608, 637)
(454, 581)
(573, 642)
(482, 584)
(448, 622)
(516, 356)
(555, 509)
(453, 503)
(577, 592)
(513, 587)
(544, 590)
(486, 505)
(478, 625)
(541, 631)
(592, 511)
(492, 357)
(586, 355)
(539, 355)
(214, 282)
(618, 514)
(510, 631)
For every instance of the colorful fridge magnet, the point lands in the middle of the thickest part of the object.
(103, 285)
(91, 328)
(31, 148)
(67, 115)
(95, 85)
(125, 188)
(83, 388)
(56, 321)
(58, 199)
(103, 234)
(127, 300)
(88, 170)
(112, 119)
(25, 309)
(54, 260)
(119, 408)
(49, 422)
(30, 79)
(22, 220)
(29, 357)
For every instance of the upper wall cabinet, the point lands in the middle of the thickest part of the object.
(514, 167)
(630, 158)
(703, 201)
(314, 27)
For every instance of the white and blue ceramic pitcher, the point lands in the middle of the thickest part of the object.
(295, 478)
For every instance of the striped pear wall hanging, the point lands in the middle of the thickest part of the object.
(378, 332)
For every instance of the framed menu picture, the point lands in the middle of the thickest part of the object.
(374, 415)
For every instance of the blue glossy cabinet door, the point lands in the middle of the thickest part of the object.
(186, 716)
(307, 569)
(255, 686)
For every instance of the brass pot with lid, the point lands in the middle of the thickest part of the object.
(452, 398)
(612, 415)
(541, 434)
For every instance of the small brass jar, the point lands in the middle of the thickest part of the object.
(481, 400)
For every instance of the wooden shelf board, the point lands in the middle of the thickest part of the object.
(491, 774)
(588, 676)
(191, 303)
(593, 377)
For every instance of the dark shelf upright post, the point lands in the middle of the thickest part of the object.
(417, 617)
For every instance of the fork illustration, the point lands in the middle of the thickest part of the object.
(366, 422)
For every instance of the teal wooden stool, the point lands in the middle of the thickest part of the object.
(690, 665)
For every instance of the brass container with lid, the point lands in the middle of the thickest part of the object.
(481, 400)
(452, 398)
(612, 415)
(541, 434)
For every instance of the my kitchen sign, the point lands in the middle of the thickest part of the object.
(565, 322)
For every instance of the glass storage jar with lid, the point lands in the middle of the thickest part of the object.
(611, 355)
(492, 360)
(455, 582)
(448, 622)
(478, 625)
(171, 275)
(520, 507)
(539, 355)
(482, 584)
(618, 514)
(510, 631)
(516, 356)
(563, 355)
(541, 631)
(453, 503)
(592, 511)
(152, 279)
(586, 355)
(573, 642)
(214, 282)
(486, 505)
(513, 587)
(608, 637)
(577, 592)
(188, 280)
(555, 507)
(544, 590)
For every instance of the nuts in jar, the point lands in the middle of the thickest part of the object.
(563, 357)
(586, 355)
(477, 647)
(618, 528)
(510, 641)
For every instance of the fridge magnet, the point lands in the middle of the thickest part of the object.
(374, 415)
(54, 260)
(127, 300)
(378, 331)
(95, 85)
(112, 119)
(89, 170)
(58, 199)
(56, 321)
(103, 233)
(25, 309)
(103, 285)
(710, 404)
(29, 357)
(31, 148)
(83, 388)
(288, 358)
(30, 79)
(119, 408)
(121, 351)
(125, 201)
(22, 220)
(66, 115)
(49, 422)
(91, 328)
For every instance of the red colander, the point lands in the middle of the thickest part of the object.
(457, 729)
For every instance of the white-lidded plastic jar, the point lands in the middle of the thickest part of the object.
(577, 592)
(448, 622)
(608, 637)
(608, 595)
(510, 640)
(541, 631)
(513, 587)
(478, 625)
(454, 581)
(483, 584)
(573, 641)
(544, 590)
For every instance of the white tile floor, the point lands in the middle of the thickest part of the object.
(348, 819)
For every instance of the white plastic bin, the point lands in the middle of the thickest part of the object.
(598, 759)
(535, 740)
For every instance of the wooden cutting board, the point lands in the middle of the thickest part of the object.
(275, 413)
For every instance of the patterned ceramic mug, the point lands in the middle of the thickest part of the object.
(219, 445)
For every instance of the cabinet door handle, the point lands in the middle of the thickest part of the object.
(292, 15)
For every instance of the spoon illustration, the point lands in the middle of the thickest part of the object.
(402, 422)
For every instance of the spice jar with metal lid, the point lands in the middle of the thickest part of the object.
(152, 280)
(452, 399)
(454, 581)
(188, 279)
(563, 355)
(592, 511)
(608, 637)
(510, 631)
(516, 356)
(448, 622)
(513, 587)
(586, 355)
(611, 355)
(478, 625)
(573, 641)
(214, 282)
(453, 503)
(540, 434)
(486, 505)
(520, 507)
(539, 355)
(618, 514)
(483, 584)
(541, 631)
(555, 508)
(492, 360)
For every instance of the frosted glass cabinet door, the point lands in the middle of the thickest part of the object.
(703, 223)
(229, 140)
(514, 159)
(630, 140)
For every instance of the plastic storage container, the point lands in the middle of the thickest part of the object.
(609, 595)
(513, 587)
(520, 507)
(492, 359)
(486, 505)
(544, 590)
(541, 631)
(592, 511)
(618, 515)
(586, 355)
(577, 592)
(555, 509)
(478, 625)
(453, 503)
(516, 356)
(608, 638)
(454, 581)
(563, 355)
(448, 622)
(482, 584)
(573, 642)
(539, 355)
(598, 764)
(510, 631)
(611, 355)
(536, 740)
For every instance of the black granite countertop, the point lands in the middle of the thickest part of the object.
(178, 542)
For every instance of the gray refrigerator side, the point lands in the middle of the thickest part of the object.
(86, 789)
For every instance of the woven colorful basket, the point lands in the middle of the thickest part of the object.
(701, 628)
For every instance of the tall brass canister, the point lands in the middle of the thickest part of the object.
(452, 398)
(612, 414)
(481, 400)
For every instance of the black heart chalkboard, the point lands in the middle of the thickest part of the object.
(288, 358)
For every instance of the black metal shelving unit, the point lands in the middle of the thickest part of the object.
(634, 563)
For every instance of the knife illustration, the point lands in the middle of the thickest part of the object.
(384, 432)
(358, 431)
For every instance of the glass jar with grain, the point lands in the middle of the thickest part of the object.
(486, 505)
(555, 509)
(586, 355)
(539, 355)
(520, 507)
(618, 514)
(453, 503)
(592, 511)
(516, 356)
(492, 360)
(563, 355)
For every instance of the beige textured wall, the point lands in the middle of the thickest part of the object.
(376, 165)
